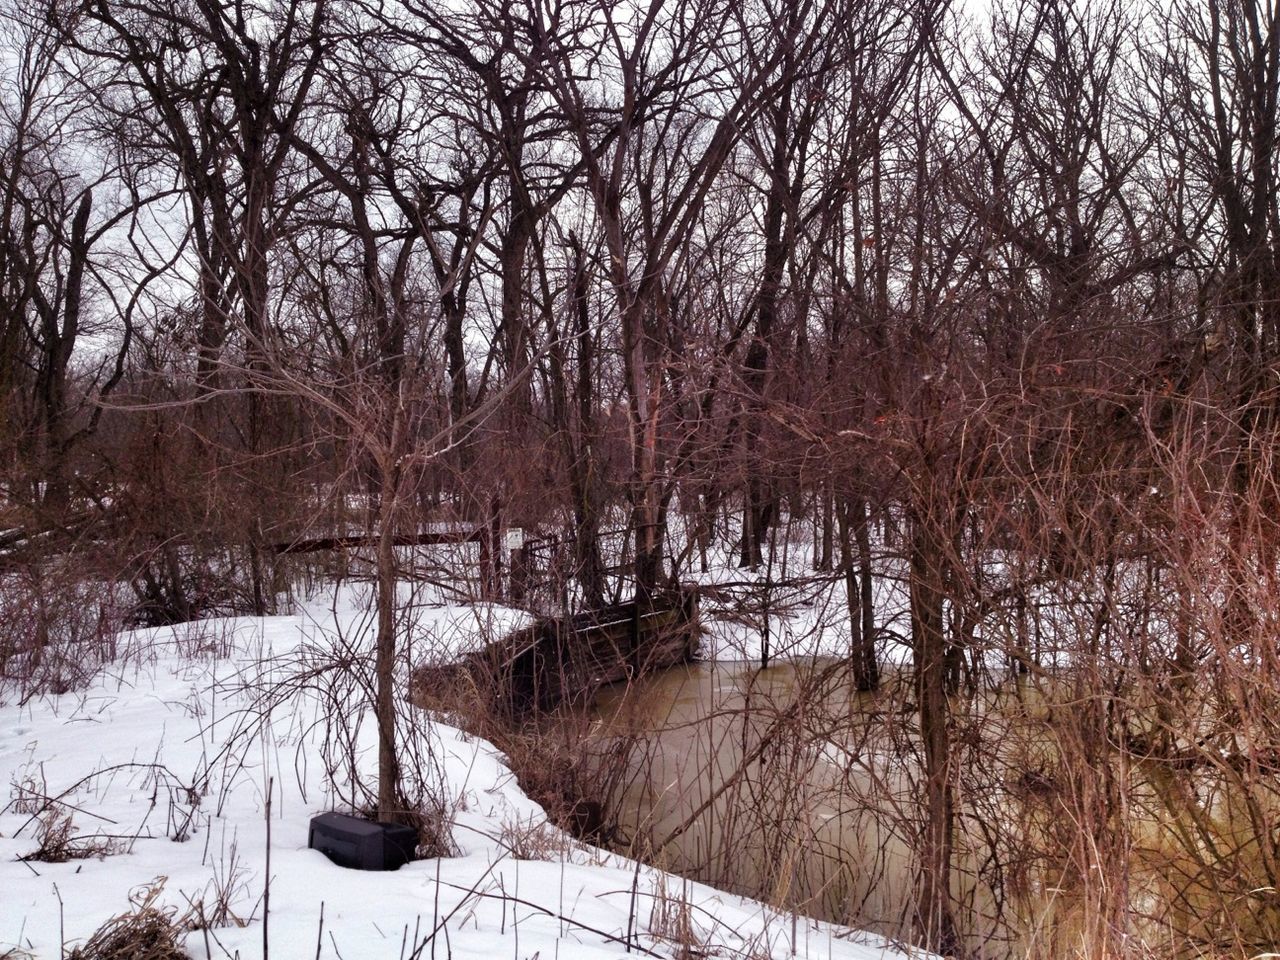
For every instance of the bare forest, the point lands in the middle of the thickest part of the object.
(936, 345)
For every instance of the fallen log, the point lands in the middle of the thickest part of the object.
(428, 538)
(566, 660)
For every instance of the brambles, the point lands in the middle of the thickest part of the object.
(58, 624)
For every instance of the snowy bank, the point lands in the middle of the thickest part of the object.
(173, 775)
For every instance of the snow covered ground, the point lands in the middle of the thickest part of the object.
(180, 759)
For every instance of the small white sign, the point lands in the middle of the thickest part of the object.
(515, 538)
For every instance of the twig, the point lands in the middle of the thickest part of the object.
(320, 931)
(572, 921)
(266, 891)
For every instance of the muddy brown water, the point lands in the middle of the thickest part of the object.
(766, 783)
(790, 786)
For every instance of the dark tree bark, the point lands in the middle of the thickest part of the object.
(935, 915)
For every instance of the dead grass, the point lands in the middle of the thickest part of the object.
(671, 921)
(536, 841)
(147, 932)
(28, 796)
(213, 908)
(59, 842)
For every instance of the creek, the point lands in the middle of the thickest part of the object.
(769, 783)
(790, 786)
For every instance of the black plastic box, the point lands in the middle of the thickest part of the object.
(362, 844)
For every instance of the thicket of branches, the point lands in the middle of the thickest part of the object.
(989, 298)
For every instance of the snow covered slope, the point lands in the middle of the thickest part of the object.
(165, 765)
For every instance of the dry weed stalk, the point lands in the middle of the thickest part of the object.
(671, 922)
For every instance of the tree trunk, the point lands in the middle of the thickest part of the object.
(587, 558)
(61, 341)
(852, 520)
(390, 805)
(933, 907)
(825, 508)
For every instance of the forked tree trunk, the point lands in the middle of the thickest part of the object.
(852, 521)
